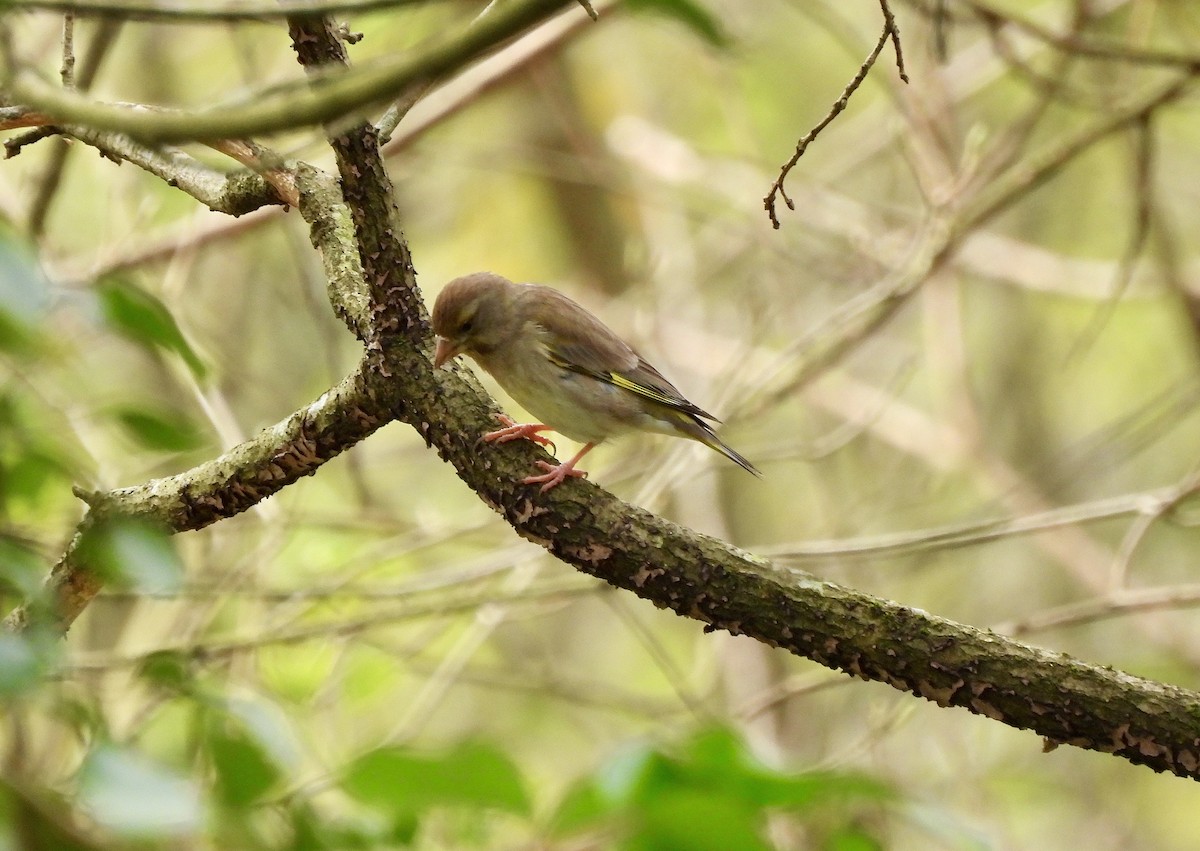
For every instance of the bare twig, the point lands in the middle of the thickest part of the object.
(890, 33)
(1126, 601)
(39, 210)
(1139, 234)
(893, 31)
(68, 63)
(1084, 47)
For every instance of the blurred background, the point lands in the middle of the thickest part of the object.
(1012, 444)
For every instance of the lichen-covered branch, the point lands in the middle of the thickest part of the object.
(234, 194)
(1064, 700)
(372, 285)
(220, 488)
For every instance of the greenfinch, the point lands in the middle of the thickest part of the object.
(565, 367)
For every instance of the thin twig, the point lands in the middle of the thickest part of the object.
(1155, 502)
(890, 33)
(1084, 47)
(1143, 195)
(39, 209)
(331, 97)
(68, 63)
(202, 13)
(893, 31)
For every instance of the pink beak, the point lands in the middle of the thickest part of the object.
(445, 351)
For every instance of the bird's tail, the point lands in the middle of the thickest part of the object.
(697, 429)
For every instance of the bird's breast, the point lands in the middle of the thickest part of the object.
(580, 407)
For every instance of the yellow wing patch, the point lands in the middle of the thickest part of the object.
(625, 383)
(642, 390)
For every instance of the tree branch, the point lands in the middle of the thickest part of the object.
(373, 288)
(284, 107)
(200, 12)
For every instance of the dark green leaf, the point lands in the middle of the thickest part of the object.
(473, 775)
(244, 771)
(162, 430)
(582, 807)
(307, 830)
(167, 669)
(141, 317)
(404, 829)
(689, 13)
(34, 819)
(132, 554)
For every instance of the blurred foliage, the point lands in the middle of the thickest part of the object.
(370, 659)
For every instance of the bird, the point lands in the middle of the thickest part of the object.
(565, 367)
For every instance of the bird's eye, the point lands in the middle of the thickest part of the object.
(466, 326)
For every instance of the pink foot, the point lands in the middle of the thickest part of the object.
(515, 431)
(554, 476)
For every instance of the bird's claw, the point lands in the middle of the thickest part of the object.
(512, 430)
(554, 476)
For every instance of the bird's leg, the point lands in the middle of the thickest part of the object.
(514, 430)
(556, 474)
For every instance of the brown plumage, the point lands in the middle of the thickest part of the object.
(564, 366)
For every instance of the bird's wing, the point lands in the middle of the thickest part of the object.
(578, 341)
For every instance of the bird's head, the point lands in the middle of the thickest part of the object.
(474, 314)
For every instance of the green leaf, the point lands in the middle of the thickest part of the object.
(689, 13)
(717, 749)
(31, 473)
(474, 775)
(306, 828)
(815, 789)
(34, 819)
(168, 669)
(249, 747)
(159, 429)
(127, 793)
(141, 317)
(244, 771)
(699, 821)
(720, 754)
(582, 807)
(133, 554)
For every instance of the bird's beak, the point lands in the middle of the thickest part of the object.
(444, 351)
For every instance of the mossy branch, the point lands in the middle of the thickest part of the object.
(1062, 699)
